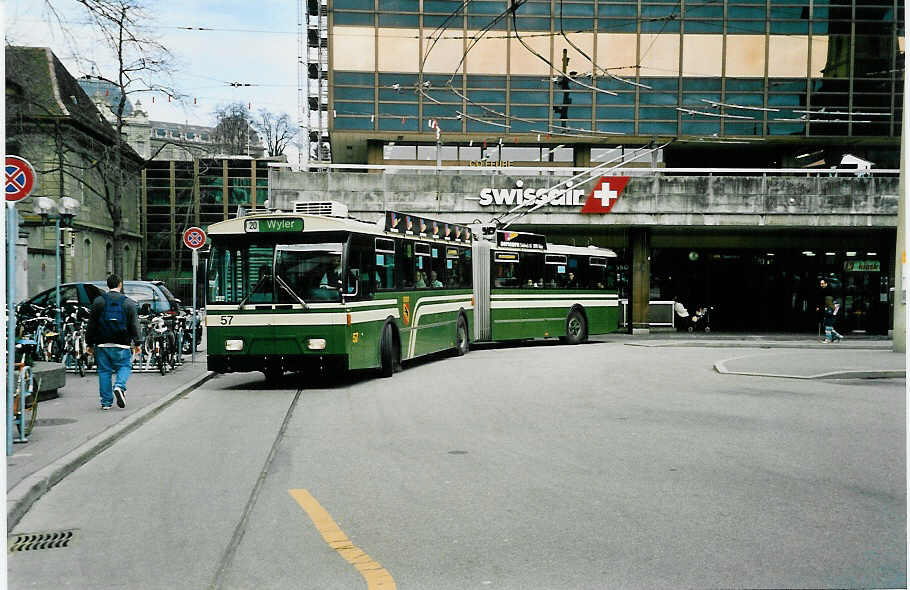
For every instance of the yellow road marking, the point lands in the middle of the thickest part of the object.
(376, 576)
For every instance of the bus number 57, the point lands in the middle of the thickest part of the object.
(226, 320)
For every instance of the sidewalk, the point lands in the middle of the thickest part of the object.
(740, 340)
(72, 429)
(802, 356)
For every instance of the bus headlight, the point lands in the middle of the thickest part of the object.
(234, 345)
(316, 343)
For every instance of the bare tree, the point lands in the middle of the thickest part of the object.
(277, 131)
(139, 60)
(233, 128)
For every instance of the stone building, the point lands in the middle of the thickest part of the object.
(161, 140)
(52, 123)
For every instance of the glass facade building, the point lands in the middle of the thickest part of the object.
(615, 72)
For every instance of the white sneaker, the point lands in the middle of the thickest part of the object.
(120, 396)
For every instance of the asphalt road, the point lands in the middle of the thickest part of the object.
(524, 467)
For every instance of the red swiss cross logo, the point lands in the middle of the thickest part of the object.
(605, 194)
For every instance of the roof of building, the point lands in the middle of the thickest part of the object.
(109, 92)
(38, 86)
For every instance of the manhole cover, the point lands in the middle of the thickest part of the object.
(54, 421)
(37, 541)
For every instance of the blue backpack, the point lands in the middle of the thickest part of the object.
(113, 325)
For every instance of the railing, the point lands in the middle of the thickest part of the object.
(660, 313)
(430, 168)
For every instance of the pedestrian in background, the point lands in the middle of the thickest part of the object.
(113, 329)
(831, 311)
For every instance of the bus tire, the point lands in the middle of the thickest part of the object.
(576, 327)
(462, 341)
(388, 352)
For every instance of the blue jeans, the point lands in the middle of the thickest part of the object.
(112, 361)
(831, 334)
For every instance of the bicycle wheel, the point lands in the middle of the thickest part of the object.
(29, 393)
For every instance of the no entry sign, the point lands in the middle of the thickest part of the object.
(194, 238)
(20, 178)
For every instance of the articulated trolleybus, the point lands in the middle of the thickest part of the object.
(316, 288)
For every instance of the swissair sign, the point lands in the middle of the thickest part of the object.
(601, 199)
(605, 194)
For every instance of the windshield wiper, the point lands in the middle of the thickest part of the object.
(285, 286)
(254, 289)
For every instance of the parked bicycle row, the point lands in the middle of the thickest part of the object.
(166, 336)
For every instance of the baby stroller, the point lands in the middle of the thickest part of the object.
(701, 320)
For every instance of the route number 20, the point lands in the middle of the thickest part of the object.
(226, 320)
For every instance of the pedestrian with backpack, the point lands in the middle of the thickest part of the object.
(113, 333)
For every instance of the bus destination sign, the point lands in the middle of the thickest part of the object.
(412, 225)
(272, 226)
(517, 239)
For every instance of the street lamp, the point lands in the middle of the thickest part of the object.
(62, 213)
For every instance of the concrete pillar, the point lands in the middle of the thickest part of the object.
(640, 243)
(582, 156)
(900, 257)
(374, 154)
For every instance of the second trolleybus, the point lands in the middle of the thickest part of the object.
(314, 287)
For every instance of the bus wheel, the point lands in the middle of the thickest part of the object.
(462, 343)
(576, 327)
(387, 352)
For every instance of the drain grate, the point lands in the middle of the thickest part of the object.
(37, 541)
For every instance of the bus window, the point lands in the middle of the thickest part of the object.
(438, 272)
(384, 270)
(308, 272)
(555, 276)
(467, 273)
(404, 264)
(530, 270)
(360, 263)
(424, 265)
(504, 269)
(455, 271)
(597, 273)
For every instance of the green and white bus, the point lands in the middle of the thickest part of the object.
(316, 288)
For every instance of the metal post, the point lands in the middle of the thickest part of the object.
(193, 331)
(12, 232)
(438, 154)
(57, 319)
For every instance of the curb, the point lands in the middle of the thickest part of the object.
(756, 344)
(721, 368)
(23, 495)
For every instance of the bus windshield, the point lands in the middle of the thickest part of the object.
(275, 273)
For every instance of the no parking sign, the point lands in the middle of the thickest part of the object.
(20, 178)
(194, 238)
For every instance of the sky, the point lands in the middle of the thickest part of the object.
(253, 42)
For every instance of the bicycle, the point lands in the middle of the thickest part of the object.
(157, 344)
(25, 393)
(40, 327)
(75, 349)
